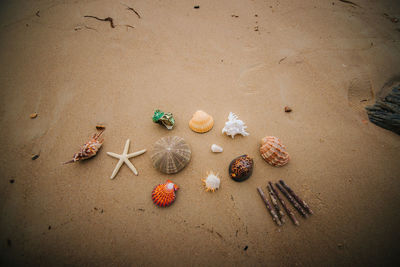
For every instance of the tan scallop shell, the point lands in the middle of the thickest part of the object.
(171, 154)
(201, 122)
(273, 151)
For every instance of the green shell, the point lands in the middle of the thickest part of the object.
(166, 119)
(157, 115)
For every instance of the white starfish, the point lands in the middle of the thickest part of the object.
(124, 157)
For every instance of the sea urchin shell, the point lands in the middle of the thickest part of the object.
(201, 122)
(171, 154)
(273, 151)
(241, 168)
(212, 182)
(163, 195)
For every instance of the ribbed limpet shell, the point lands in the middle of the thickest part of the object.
(171, 154)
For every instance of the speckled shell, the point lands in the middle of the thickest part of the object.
(241, 168)
(163, 195)
(201, 122)
(171, 154)
(273, 151)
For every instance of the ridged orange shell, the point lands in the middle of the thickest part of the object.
(163, 195)
(201, 122)
(273, 151)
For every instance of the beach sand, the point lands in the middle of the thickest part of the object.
(324, 59)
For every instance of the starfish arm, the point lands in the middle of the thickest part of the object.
(126, 148)
(134, 154)
(130, 165)
(119, 164)
(112, 154)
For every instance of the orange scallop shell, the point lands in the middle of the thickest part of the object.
(201, 122)
(163, 195)
(273, 151)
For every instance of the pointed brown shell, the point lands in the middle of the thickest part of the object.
(201, 122)
(171, 154)
(273, 151)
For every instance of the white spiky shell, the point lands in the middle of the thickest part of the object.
(216, 148)
(273, 151)
(234, 126)
(212, 182)
(171, 154)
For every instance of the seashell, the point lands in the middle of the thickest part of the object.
(163, 195)
(216, 148)
(201, 122)
(171, 154)
(241, 168)
(273, 151)
(89, 149)
(234, 126)
(212, 182)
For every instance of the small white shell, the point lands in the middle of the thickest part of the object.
(234, 126)
(212, 182)
(216, 148)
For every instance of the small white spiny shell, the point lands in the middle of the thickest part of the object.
(212, 182)
(234, 126)
(216, 148)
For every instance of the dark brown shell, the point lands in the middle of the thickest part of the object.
(241, 168)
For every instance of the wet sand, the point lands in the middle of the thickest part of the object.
(326, 60)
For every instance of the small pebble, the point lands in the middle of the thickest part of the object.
(100, 127)
(245, 248)
(196, 7)
(33, 115)
(12, 181)
(36, 156)
(288, 109)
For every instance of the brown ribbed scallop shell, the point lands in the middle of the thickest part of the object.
(171, 154)
(273, 151)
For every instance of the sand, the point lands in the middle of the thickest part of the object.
(324, 59)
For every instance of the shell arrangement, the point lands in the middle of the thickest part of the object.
(171, 154)
(273, 151)
(201, 122)
(89, 149)
(241, 168)
(212, 182)
(234, 126)
(163, 195)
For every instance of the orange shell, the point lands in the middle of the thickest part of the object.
(273, 151)
(163, 195)
(201, 122)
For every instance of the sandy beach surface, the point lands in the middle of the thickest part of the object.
(324, 59)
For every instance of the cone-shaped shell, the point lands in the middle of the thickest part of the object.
(273, 151)
(201, 122)
(171, 154)
(241, 168)
(163, 195)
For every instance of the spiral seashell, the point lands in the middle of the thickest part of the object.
(273, 151)
(201, 122)
(163, 195)
(171, 154)
(241, 168)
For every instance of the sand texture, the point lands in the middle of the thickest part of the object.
(324, 59)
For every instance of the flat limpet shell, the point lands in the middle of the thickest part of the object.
(171, 154)
(241, 168)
